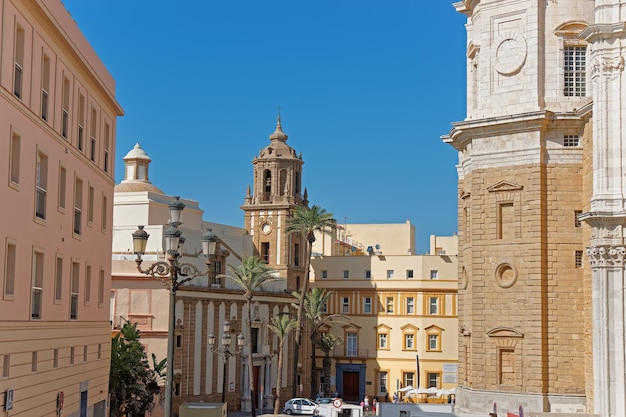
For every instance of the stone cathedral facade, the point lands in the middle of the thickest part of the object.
(541, 207)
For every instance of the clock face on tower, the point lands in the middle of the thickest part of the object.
(266, 228)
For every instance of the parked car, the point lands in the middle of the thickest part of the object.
(324, 400)
(301, 406)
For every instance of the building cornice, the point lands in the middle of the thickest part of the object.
(602, 31)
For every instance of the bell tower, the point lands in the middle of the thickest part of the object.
(275, 193)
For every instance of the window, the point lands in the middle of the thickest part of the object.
(578, 258)
(99, 351)
(87, 284)
(78, 205)
(80, 144)
(409, 341)
(506, 220)
(58, 280)
(85, 352)
(324, 274)
(107, 145)
(571, 141)
(33, 362)
(65, 103)
(72, 355)
(345, 305)
(37, 285)
(577, 222)
(389, 273)
(101, 288)
(408, 378)
(9, 271)
(90, 203)
(94, 129)
(351, 344)
(433, 342)
(62, 187)
(574, 75)
(55, 358)
(105, 212)
(14, 161)
(45, 86)
(74, 279)
(434, 274)
(432, 379)
(19, 61)
(383, 381)
(382, 341)
(265, 252)
(6, 365)
(410, 305)
(346, 274)
(296, 253)
(325, 307)
(433, 305)
(409, 273)
(367, 305)
(389, 305)
(41, 185)
(368, 274)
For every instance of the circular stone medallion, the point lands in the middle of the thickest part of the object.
(506, 275)
(510, 53)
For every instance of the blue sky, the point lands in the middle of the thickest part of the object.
(366, 88)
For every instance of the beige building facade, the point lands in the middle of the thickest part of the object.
(58, 123)
(541, 208)
(401, 309)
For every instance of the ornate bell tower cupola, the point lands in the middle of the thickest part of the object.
(276, 191)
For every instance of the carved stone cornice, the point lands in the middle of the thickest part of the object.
(606, 256)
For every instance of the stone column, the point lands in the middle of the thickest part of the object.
(246, 399)
(607, 264)
(607, 217)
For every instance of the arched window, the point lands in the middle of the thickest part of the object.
(267, 185)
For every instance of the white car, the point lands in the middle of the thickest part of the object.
(301, 406)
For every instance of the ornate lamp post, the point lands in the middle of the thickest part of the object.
(169, 272)
(225, 352)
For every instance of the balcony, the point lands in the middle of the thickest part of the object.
(341, 352)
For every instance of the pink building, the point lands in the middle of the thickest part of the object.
(57, 145)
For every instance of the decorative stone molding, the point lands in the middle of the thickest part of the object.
(506, 275)
(605, 256)
(465, 331)
(503, 186)
(607, 65)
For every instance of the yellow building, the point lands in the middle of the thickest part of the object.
(57, 128)
(402, 311)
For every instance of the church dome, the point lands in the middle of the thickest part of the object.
(137, 153)
(278, 147)
(136, 167)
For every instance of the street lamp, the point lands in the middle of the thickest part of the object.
(225, 352)
(169, 272)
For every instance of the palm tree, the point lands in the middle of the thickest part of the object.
(250, 276)
(307, 221)
(281, 326)
(327, 342)
(315, 302)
